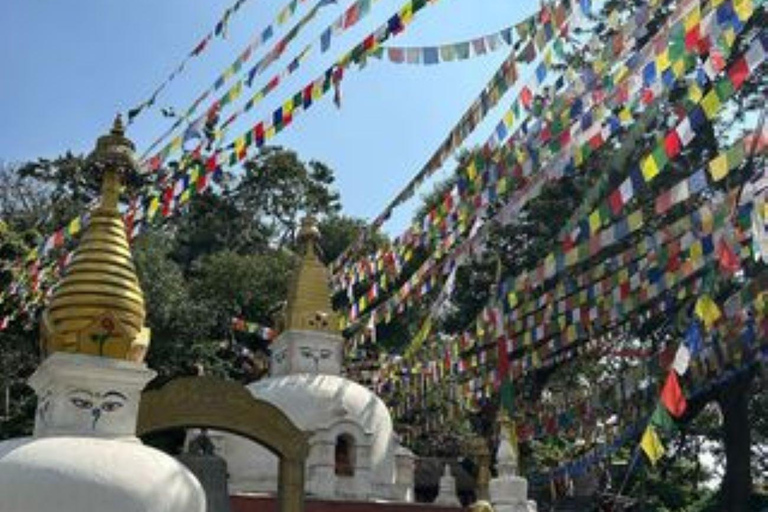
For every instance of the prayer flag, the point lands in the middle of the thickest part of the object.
(672, 396)
(718, 167)
(651, 445)
(707, 310)
(662, 421)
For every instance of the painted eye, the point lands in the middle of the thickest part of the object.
(111, 406)
(81, 403)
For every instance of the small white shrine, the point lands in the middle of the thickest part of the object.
(354, 453)
(509, 491)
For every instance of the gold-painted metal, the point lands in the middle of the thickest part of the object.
(209, 402)
(98, 307)
(309, 296)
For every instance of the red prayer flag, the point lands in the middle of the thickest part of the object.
(728, 259)
(503, 357)
(352, 15)
(614, 200)
(692, 38)
(672, 396)
(526, 96)
(738, 72)
(672, 144)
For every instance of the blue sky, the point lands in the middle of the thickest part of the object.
(69, 66)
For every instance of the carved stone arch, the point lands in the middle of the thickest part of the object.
(209, 402)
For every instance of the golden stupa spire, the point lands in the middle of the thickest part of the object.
(309, 296)
(98, 307)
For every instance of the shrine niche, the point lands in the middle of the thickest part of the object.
(208, 402)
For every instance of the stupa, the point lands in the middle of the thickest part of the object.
(354, 453)
(84, 454)
(509, 491)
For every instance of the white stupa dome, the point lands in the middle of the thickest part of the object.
(79, 474)
(315, 402)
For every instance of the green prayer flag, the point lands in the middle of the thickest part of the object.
(507, 393)
(735, 155)
(724, 89)
(660, 156)
(662, 421)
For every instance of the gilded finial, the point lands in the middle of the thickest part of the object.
(309, 233)
(309, 296)
(98, 307)
(114, 158)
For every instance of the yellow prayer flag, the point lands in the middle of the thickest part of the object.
(678, 68)
(649, 168)
(317, 90)
(176, 143)
(571, 257)
(270, 133)
(621, 74)
(692, 19)
(548, 57)
(718, 168)
(578, 159)
(288, 106)
(239, 145)
(74, 226)
(744, 9)
(707, 310)
(662, 61)
(406, 14)
(153, 206)
(625, 115)
(471, 170)
(193, 174)
(651, 445)
(707, 220)
(283, 15)
(236, 91)
(184, 196)
(696, 251)
(710, 104)
(509, 119)
(729, 35)
(594, 221)
(635, 220)
(695, 93)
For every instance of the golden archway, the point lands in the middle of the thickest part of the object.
(209, 402)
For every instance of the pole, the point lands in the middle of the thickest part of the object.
(632, 463)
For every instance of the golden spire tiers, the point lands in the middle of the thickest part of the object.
(309, 296)
(98, 307)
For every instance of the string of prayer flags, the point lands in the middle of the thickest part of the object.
(212, 113)
(502, 80)
(449, 52)
(219, 30)
(241, 325)
(410, 235)
(302, 100)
